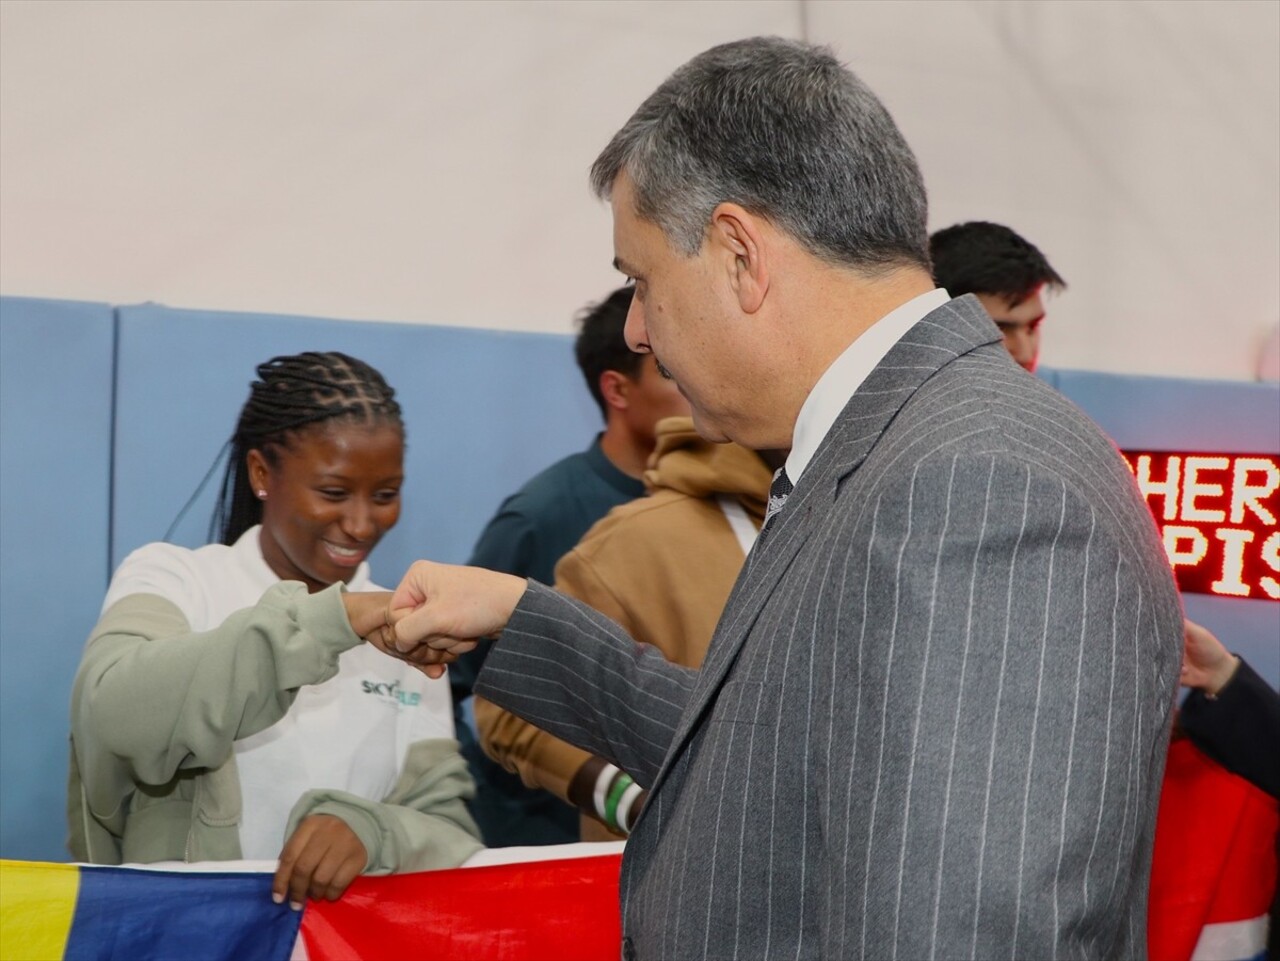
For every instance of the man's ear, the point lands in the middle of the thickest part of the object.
(614, 388)
(739, 239)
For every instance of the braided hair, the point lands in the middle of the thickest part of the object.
(291, 394)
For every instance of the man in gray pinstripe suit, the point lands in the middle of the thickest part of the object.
(932, 720)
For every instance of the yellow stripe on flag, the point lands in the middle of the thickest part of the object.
(37, 902)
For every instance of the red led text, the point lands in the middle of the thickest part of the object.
(1217, 514)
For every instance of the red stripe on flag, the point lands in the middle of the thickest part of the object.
(1214, 853)
(509, 912)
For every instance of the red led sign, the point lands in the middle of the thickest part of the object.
(1217, 514)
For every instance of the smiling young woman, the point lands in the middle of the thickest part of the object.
(327, 499)
(225, 706)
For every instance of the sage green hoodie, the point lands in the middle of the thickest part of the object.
(156, 710)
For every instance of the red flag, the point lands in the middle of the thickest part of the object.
(565, 909)
(1214, 857)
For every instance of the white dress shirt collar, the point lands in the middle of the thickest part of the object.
(846, 374)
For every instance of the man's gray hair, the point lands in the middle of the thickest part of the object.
(784, 130)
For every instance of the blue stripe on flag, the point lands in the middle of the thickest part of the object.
(125, 914)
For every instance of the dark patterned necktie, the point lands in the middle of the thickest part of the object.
(778, 491)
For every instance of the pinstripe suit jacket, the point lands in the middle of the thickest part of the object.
(932, 721)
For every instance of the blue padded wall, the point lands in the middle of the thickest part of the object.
(483, 410)
(55, 449)
(1176, 413)
(1201, 416)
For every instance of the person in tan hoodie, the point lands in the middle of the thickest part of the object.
(661, 566)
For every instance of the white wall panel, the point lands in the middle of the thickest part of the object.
(402, 161)
(1135, 143)
(426, 162)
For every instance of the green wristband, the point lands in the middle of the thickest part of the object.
(616, 790)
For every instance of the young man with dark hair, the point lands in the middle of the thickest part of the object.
(1005, 272)
(544, 519)
(662, 566)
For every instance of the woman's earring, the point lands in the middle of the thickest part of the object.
(262, 495)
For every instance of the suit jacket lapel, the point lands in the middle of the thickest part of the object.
(942, 335)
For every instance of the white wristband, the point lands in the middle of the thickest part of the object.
(601, 792)
(624, 806)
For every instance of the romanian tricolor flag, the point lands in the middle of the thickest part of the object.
(507, 908)
(65, 911)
